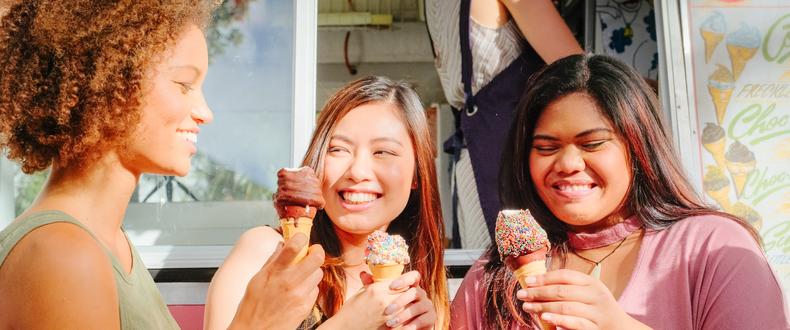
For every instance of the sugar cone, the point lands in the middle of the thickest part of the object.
(386, 272)
(721, 196)
(740, 171)
(292, 226)
(721, 98)
(716, 148)
(712, 39)
(738, 57)
(533, 268)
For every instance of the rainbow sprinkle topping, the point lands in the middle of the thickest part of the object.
(384, 249)
(517, 233)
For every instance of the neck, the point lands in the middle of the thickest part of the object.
(96, 195)
(352, 247)
(604, 223)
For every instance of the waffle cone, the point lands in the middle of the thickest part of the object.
(536, 267)
(291, 226)
(716, 148)
(721, 196)
(740, 171)
(712, 39)
(721, 98)
(386, 271)
(738, 57)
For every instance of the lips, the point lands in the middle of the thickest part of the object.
(574, 189)
(189, 136)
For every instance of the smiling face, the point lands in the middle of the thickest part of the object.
(579, 164)
(368, 169)
(173, 108)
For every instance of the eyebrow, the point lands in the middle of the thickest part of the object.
(378, 139)
(587, 132)
(193, 68)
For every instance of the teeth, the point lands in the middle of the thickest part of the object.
(575, 187)
(358, 198)
(189, 136)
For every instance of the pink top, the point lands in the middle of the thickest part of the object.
(712, 275)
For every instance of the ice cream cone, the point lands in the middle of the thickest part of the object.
(748, 214)
(720, 87)
(712, 40)
(386, 255)
(740, 172)
(721, 98)
(292, 226)
(297, 219)
(537, 267)
(716, 148)
(739, 55)
(721, 196)
(386, 272)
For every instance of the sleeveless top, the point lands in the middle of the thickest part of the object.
(140, 305)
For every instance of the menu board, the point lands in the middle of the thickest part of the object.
(740, 52)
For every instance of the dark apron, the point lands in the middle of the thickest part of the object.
(485, 120)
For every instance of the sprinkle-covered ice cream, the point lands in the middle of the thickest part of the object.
(386, 249)
(517, 234)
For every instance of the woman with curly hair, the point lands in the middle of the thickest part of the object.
(102, 92)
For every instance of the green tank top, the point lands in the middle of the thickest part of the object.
(140, 304)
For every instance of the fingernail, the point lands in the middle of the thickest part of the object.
(546, 316)
(521, 294)
(530, 279)
(528, 306)
(392, 322)
(397, 284)
(390, 309)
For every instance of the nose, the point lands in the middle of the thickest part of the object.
(569, 160)
(201, 112)
(360, 168)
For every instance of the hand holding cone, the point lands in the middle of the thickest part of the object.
(522, 245)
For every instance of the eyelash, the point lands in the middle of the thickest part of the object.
(185, 87)
(592, 146)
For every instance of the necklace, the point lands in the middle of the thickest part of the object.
(348, 265)
(596, 272)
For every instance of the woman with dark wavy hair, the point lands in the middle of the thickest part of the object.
(101, 92)
(633, 245)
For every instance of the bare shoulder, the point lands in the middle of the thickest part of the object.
(58, 274)
(257, 242)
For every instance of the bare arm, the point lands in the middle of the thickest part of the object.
(543, 27)
(230, 281)
(258, 281)
(58, 277)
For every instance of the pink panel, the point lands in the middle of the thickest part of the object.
(189, 317)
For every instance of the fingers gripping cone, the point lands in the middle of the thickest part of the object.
(523, 246)
(386, 255)
(298, 219)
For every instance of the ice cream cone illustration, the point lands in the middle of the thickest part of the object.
(717, 186)
(740, 163)
(712, 31)
(713, 139)
(742, 45)
(522, 245)
(720, 87)
(386, 255)
(747, 213)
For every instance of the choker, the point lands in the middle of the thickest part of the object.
(603, 237)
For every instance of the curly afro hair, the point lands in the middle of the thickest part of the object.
(72, 73)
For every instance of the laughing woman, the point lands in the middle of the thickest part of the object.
(374, 157)
(634, 245)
